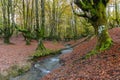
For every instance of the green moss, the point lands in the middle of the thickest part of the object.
(45, 52)
(17, 70)
(106, 44)
(28, 42)
(91, 53)
(14, 71)
(3, 77)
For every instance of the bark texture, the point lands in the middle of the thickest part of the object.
(95, 12)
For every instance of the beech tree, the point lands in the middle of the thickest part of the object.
(42, 26)
(95, 12)
(117, 18)
(7, 11)
(26, 26)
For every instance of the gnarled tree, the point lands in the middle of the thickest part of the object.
(95, 12)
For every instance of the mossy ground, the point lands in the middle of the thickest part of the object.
(14, 71)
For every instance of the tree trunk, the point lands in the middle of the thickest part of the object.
(40, 45)
(101, 29)
(6, 40)
(7, 28)
(95, 12)
(104, 40)
(37, 20)
(28, 41)
(41, 36)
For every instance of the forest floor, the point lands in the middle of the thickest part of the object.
(18, 52)
(104, 66)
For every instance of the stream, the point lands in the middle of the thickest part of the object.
(43, 67)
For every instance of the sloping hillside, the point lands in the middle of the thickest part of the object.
(104, 66)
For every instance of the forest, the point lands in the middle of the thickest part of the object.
(59, 39)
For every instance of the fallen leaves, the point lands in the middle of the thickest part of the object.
(104, 66)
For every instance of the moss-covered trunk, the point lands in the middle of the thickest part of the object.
(40, 45)
(100, 26)
(6, 40)
(101, 31)
(95, 12)
(104, 40)
(42, 30)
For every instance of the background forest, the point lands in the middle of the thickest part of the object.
(55, 22)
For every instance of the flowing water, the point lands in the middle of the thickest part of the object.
(41, 68)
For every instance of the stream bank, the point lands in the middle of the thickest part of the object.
(43, 67)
